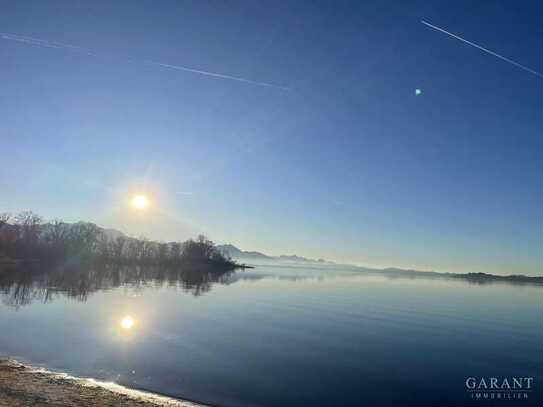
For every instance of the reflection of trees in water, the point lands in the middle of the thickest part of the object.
(24, 284)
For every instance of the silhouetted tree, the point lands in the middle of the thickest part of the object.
(83, 238)
(29, 238)
(162, 253)
(175, 252)
(29, 226)
(4, 218)
(118, 246)
(103, 246)
(56, 237)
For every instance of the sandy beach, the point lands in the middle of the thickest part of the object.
(22, 385)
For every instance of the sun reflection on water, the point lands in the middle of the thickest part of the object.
(127, 322)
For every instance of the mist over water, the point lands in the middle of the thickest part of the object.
(271, 336)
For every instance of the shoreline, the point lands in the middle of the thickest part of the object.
(23, 385)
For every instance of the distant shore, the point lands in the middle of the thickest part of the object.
(476, 278)
(24, 386)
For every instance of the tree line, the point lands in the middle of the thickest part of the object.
(26, 236)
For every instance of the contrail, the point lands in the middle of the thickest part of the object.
(214, 74)
(59, 45)
(44, 43)
(482, 49)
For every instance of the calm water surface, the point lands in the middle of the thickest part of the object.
(282, 336)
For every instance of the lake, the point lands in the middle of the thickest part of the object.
(279, 335)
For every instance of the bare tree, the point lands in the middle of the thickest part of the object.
(29, 227)
(145, 249)
(103, 246)
(118, 246)
(83, 237)
(57, 234)
(175, 252)
(132, 249)
(28, 238)
(6, 238)
(162, 253)
(200, 249)
(4, 218)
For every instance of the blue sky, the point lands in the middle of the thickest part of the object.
(348, 165)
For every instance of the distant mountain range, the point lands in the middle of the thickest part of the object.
(227, 249)
(392, 272)
(237, 253)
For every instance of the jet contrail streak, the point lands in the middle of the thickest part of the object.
(482, 49)
(60, 45)
(44, 43)
(214, 74)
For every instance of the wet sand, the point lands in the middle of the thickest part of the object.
(22, 385)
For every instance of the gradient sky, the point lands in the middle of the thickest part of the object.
(348, 165)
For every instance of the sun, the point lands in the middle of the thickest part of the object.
(127, 322)
(140, 202)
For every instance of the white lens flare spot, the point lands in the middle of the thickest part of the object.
(418, 92)
(127, 322)
(140, 202)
